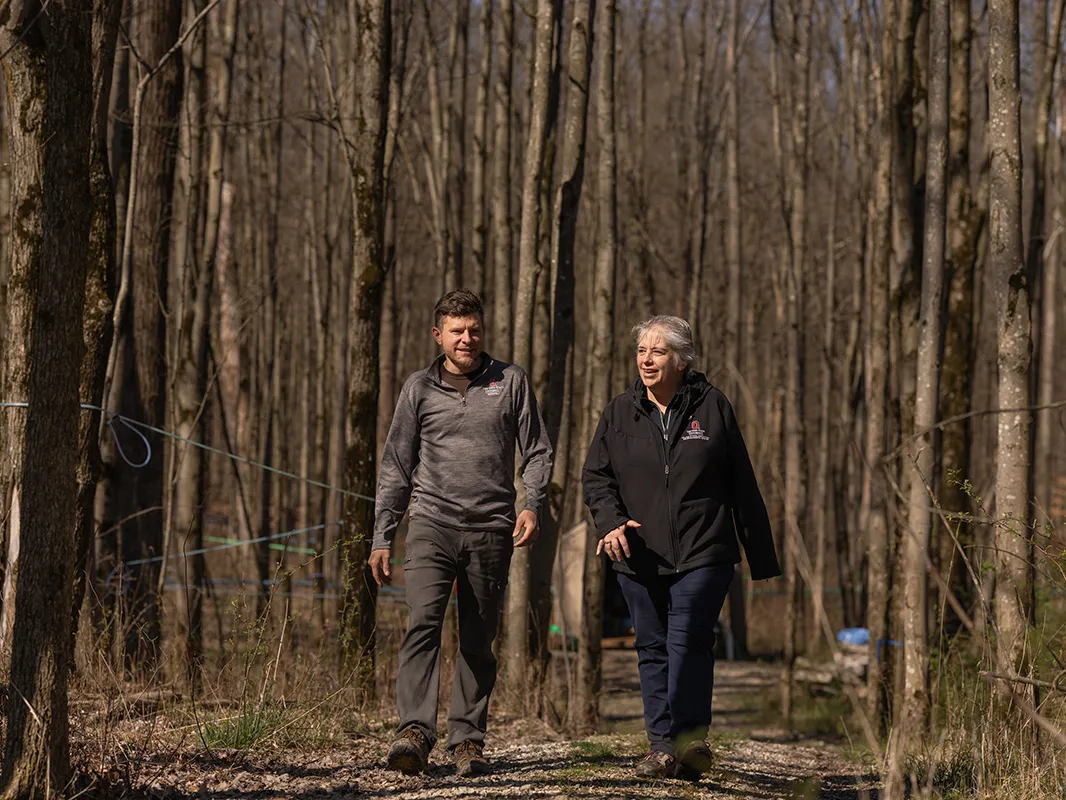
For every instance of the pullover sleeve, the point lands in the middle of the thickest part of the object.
(752, 521)
(602, 494)
(533, 444)
(399, 458)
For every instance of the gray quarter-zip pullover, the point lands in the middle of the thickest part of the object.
(452, 457)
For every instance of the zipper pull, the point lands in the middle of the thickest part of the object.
(667, 469)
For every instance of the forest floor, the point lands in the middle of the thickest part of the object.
(158, 756)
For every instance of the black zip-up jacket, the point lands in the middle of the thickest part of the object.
(694, 491)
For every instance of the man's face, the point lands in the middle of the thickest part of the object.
(460, 338)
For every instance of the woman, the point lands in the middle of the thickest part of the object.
(673, 496)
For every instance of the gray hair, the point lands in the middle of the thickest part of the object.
(676, 331)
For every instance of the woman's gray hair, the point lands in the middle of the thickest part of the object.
(676, 331)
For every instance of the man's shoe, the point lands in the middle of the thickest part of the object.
(695, 759)
(657, 764)
(469, 760)
(409, 753)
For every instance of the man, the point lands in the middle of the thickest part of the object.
(450, 452)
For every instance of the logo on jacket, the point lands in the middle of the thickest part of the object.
(493, 389)
(695, 432)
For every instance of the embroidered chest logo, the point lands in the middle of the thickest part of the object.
(493, 389)
(695, 432)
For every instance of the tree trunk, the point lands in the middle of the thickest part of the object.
(144, 329)
(365, 149)
(516, 645)
(480, 240)
(956, 385)
(601, 346)
(502, 235)
(873, 515)
(48, 72)
(1047, 50)
(795, 282)
(1013, 538)
(912, 724)
(99, 294)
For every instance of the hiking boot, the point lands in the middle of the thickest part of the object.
(695, 759)
(657, 764)
(469, 760)
(409, 753)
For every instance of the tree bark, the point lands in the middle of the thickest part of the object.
(480, 240)
(956, 385)
(365, 149)
(48, 71)
(912, 724)
(99, 294)
(502, 236)
(1013, 538)
(795, 282)
(873, 514)
(516, 645)
(601, 346)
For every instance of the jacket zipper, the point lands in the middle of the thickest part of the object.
(674, 544)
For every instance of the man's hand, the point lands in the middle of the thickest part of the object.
(379, 566)
(526, 529)
(615, 542)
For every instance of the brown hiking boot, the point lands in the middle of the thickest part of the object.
(695, 759)
(469, 760)
(409, 753)
(657, 764)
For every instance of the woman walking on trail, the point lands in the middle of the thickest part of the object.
(673, 496)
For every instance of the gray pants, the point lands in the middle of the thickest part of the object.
(478, 561)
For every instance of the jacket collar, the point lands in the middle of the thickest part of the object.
(694, 385)
(432, 372)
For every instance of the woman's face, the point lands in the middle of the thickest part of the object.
(658, 366)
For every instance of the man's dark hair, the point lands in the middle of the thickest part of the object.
(458, 303)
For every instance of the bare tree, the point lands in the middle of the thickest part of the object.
(367, 109)
(48, 73)
(964, 222)
(586, 712)
(99, 291)
(874, 503)
(502, 234)
(1006, 260)
(479, 245)
(912, 722)
(518, 590)
(795, 282)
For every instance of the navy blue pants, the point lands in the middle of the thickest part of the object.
(674, 618)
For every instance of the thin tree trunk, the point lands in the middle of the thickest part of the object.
(795, 282)
(48, 77)
(1047, 50)
(956, 386)
(502, 235)
(874, 510)
(590, 673)
(912, 723)
(99, 294)
(1012, 537)
(733, 253)
(366, 151)
(516, 645)
(480, 239)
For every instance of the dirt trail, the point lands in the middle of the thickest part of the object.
(531, 761)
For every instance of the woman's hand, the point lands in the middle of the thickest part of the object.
(615, 543)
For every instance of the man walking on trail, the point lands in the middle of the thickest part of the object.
(450, 453)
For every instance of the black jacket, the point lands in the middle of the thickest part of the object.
(693, 493)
